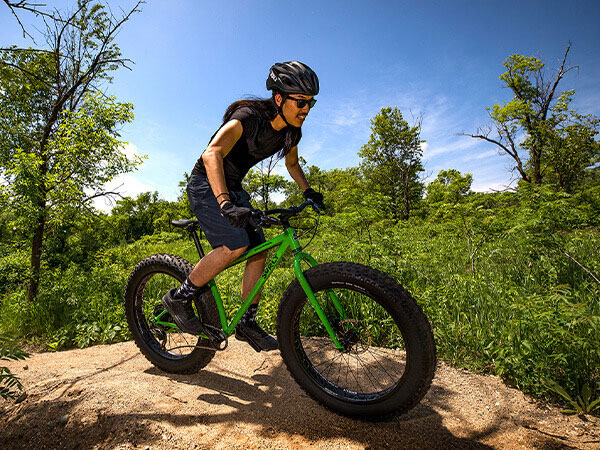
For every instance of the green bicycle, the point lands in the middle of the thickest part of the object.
(354, 339)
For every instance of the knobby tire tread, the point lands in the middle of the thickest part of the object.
(415, 324)
(179, 268)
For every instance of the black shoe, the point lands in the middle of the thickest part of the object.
(182, 312)
(255, 336)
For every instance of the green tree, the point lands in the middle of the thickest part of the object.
(133, 218)
(573, 153)
(326, 182)
(58, 133)
(391, 161)
(262, 183)
(449, 187)
(560, 143)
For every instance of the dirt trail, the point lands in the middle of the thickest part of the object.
(111, 397)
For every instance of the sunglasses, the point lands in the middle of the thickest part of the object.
(301, 103)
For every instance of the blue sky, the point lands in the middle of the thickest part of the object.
(441, 59)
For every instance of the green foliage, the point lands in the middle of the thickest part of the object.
(262, 183)
(59, 137)
(391, 161)
(133, 218)
(507, 279)
(583, 404)
(573, 152)
(9, 383)
(561, 143)
(510, 281)
(449, 187)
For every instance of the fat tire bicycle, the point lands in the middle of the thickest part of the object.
(351, 337)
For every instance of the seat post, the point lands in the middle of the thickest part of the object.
(192, 230)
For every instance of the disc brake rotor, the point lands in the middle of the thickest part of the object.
(354, 336)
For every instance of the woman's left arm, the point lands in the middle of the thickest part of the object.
(294, 169)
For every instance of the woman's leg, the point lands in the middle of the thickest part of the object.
(254, 269)
(213, 264)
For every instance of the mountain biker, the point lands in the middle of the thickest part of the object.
(252, 131)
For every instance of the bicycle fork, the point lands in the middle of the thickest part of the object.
(313, 300)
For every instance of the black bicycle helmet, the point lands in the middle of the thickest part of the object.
(293, 77)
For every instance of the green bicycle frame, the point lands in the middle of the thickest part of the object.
(285, 241)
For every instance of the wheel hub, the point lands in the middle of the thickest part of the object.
(354, 336)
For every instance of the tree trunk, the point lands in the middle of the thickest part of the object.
(38, 234)
(536, 166)
(36, 256)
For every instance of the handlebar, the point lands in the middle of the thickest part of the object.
(264, 219)
(294, 210)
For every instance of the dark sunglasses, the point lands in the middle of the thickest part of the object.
(301, 103)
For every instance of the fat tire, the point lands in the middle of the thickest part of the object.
(179, 269)
(409, 318)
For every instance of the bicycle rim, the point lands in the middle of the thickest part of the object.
(374, 361)
(154, 322)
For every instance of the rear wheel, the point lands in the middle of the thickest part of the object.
(153, 330)
(389, 356)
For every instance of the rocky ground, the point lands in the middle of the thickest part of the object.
(111, 397)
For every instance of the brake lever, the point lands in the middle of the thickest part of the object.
(256, 220)
(315, 207)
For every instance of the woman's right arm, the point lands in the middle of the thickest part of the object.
(217, 149)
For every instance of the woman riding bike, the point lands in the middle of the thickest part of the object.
(252, 131)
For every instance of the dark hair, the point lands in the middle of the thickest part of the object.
(267, 109)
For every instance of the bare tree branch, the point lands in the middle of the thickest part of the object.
(32, 8)
(20, 5)
(102, 194)
(513, 154)
(561, 73)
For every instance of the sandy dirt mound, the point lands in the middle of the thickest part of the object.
(111, 397)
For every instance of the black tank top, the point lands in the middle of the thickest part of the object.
(258, 141)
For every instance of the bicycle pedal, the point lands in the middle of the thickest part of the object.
(216, 335)
(249, 340)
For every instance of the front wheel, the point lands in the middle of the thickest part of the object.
(389, 357)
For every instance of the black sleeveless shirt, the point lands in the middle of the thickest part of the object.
(258, 141)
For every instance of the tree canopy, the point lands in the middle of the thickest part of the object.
(391, 161)
(560, 143)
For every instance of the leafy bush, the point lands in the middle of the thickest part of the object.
(509, 282)
(9, 383)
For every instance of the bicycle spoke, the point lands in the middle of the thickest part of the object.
(366, 367)
(382, 367)
(370, 374)
(174, 343)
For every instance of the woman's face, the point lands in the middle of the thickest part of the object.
(294, 115)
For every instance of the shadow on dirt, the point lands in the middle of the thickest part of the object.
(269, 400)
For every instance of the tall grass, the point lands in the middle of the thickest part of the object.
(517, 307)
(527, 312)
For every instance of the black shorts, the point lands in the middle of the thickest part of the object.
(217, 228)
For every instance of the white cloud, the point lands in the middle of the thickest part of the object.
(130, 150)
(347, 118)
(458, 145)
(482, 155)
(127, 186)
(310, 148)
(491, 187)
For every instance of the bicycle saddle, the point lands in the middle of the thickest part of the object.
(184, 223)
